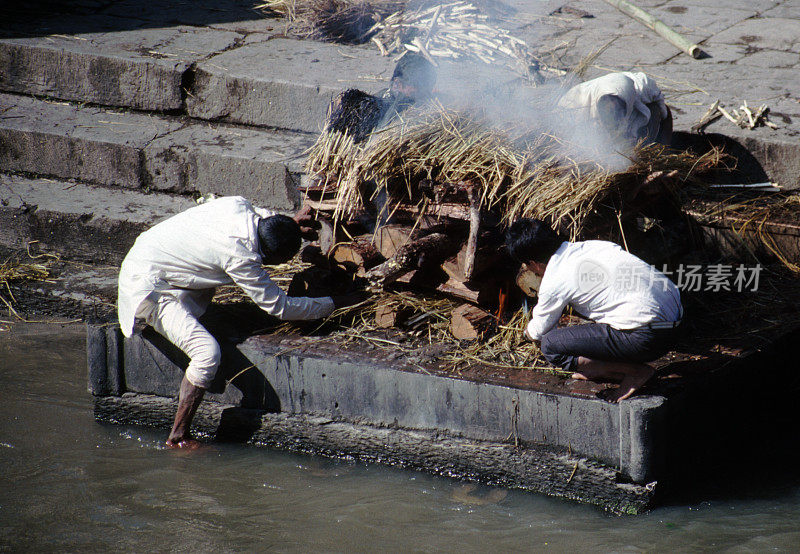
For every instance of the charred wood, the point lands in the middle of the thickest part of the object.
(413, 255)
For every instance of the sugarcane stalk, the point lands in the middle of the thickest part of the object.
(424, 51)
(727, 116)
(661, 28)
(380, 46)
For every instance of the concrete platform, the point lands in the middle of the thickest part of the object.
(340, 402)
(370, 411)
(135, 151)
(360, 387)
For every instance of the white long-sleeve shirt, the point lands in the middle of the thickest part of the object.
(606, 284)
(635, 89)
(213, 244)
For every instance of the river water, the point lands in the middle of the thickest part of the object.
(68, 483)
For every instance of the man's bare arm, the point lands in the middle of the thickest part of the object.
(307, 222)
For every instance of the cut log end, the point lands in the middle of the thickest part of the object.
(528, 282)
(470, 322)
(391, 238)
(358, 256)
(387, 317)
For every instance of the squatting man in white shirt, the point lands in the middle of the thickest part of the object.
(168, 278)
(635, 308)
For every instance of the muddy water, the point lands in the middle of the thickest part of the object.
(68, 484)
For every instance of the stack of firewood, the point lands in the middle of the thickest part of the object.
(453, 249)
(422, 205)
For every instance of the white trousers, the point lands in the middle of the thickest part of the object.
(173, 314)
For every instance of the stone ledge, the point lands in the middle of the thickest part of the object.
(135, 68)
(283, 83)
(133, 150)
(257, 374)
(77, 220)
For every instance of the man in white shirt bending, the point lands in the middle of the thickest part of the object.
(168, 279)
(635, 308)
(624, 103)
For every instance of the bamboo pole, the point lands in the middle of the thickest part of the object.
(658, 26)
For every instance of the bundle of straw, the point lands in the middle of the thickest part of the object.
(522, 172)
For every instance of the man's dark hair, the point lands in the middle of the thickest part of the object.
(611, 110)
(531, 240)
(413, 70)
(279, 236)
(355, 112)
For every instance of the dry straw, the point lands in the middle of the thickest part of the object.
(344, 21)
(752, 216)
(520, 171)
(12, 270)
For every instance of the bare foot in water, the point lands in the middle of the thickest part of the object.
(184, 444)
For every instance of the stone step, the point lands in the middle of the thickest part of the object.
(238, 73)
(283, 83)
(134, 150)
(119, 62)
(76, 220)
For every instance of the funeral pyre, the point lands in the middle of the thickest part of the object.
(415, 211)
(413, 201)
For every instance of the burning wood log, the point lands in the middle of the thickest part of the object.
(528, 282)
(484, 295)
(359, 255)
(487, 255)
(412, 255)
(470, 322)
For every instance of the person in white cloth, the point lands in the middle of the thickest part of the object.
(635, 308)
(168, 277)
(625, 104)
